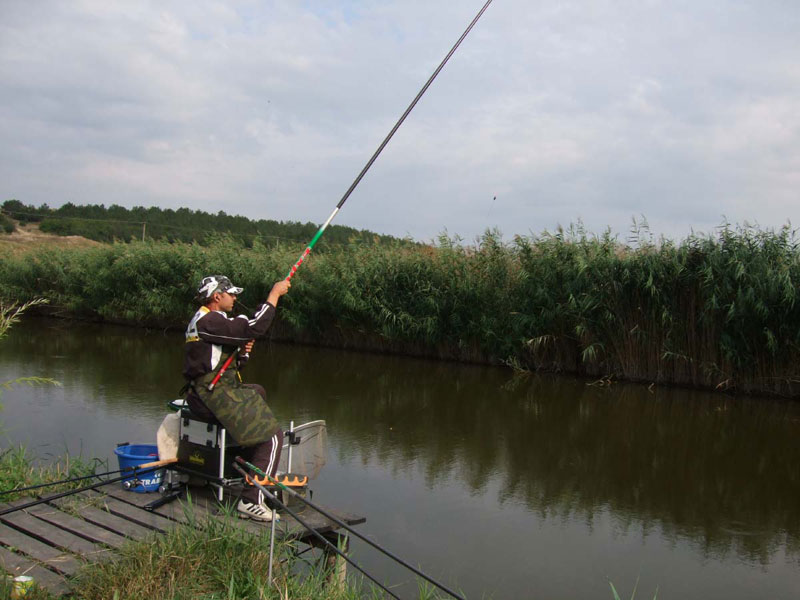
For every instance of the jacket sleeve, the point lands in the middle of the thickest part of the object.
(216, 328)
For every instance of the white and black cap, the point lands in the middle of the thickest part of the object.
(216, 283)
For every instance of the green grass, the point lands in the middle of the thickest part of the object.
(215, 559)
(18, 469)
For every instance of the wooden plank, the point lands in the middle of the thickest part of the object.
(348, 518)
(204, 503)
(61, 561)
(15, 565)
(317, 521)
(176, 510)
(137, 515)
(76, 526)
(54, 536)
(102, 518)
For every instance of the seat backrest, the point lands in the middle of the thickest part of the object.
(186, 413)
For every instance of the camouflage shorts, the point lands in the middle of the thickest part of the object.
(241, 410)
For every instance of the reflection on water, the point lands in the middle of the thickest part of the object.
(550, 475)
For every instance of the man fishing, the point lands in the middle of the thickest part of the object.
(211, 338)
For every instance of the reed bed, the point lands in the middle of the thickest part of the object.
(713, 311)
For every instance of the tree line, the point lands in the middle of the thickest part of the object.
(117, 223)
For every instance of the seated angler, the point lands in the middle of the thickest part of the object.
(242, 409)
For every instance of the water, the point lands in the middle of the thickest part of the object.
(503, 487)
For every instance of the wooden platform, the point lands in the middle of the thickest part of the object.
(51, 541)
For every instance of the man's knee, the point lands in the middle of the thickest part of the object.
(259, 388)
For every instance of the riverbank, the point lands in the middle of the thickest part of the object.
(213, 559)
(712, 312)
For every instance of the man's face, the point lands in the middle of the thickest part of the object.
(226, 301)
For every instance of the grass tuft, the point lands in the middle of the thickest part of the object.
(18, 469)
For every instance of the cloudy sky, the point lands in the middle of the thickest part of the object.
(684, 112)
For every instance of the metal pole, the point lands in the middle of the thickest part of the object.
(271, 544)
(289, 460)
(314, 532)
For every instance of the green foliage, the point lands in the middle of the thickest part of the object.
(118, 223)
(19, 470)
(6, 224)
(711, 311)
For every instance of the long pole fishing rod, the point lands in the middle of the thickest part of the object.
(363, 172)
(145, 468)
(346, 527)
(315, 533)
(366, 168)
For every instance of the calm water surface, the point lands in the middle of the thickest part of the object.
(538, 487)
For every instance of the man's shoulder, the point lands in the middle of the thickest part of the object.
(214, 315)
(205, 316)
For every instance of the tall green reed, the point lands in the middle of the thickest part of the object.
(712, 310)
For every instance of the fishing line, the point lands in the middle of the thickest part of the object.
(344, 525)
(491, 206)
(316, 534)
(244, 306)
(363, 172)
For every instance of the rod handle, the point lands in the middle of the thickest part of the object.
(158, 463)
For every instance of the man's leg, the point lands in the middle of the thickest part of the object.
(266, 457)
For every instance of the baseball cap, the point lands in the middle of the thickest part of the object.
(216, 283)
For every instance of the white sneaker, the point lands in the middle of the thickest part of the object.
(257, 512)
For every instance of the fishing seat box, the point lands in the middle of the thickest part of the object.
(204, 445)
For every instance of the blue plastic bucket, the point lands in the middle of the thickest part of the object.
(132, 455)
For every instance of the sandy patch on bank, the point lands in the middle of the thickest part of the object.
(29, 237)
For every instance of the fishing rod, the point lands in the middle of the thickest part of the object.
(63, 481)
(346, 527)
(138, 469)
(314, 532)
(366, 168)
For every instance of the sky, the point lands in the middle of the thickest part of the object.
(685, 114)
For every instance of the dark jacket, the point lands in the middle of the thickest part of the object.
(211, 336)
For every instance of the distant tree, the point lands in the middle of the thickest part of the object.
(6, 224)
(96, 222)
